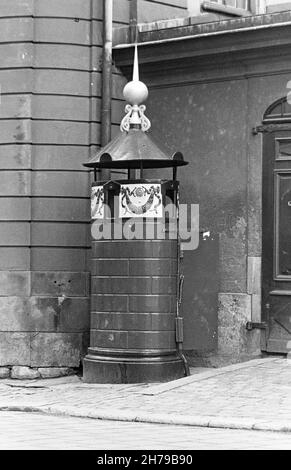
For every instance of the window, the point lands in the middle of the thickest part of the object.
(244, 4)
(231, 7)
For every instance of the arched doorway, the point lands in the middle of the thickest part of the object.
(276, 228)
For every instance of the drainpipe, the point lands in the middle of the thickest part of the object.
(106, 79)
(133, 20)
(179, 319)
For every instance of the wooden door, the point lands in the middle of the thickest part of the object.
(276, 235)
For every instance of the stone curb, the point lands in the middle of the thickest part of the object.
(165, 387)
(153, 418)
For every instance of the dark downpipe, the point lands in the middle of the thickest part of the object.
(179, 319)
(133, 20)
(106, 79)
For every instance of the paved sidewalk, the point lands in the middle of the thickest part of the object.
(252, 395)
(33, 431)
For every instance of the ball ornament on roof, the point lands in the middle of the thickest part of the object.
(135, 92)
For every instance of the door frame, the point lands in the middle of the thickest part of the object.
(276, 119)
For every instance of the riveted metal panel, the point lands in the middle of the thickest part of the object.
(152, 303)
(109, 303)
(142, 340)
(107, 267)
(200, 296)
(133, 308)
(164, 285)
(129, 321)
(136, 249)
(121, 285)
(139, 267)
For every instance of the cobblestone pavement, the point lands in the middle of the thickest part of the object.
(255, 393)
(25, 431)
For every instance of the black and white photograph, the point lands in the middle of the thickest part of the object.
(145, 229)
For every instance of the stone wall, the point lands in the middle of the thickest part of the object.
(50, 77)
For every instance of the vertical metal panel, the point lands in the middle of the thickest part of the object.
(200, 296)
(133, 313)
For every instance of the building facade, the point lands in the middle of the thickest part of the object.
(219, 72)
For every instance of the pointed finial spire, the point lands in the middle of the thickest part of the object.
(135, 75)
(135, 92)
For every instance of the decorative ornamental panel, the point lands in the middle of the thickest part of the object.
(140, 200)
(97, 202)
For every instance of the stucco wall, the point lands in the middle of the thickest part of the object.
(209, 116)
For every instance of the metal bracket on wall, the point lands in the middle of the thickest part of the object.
(179, 330)
(267, 128)
(253, 325)
(181, 284)
(258, 129)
